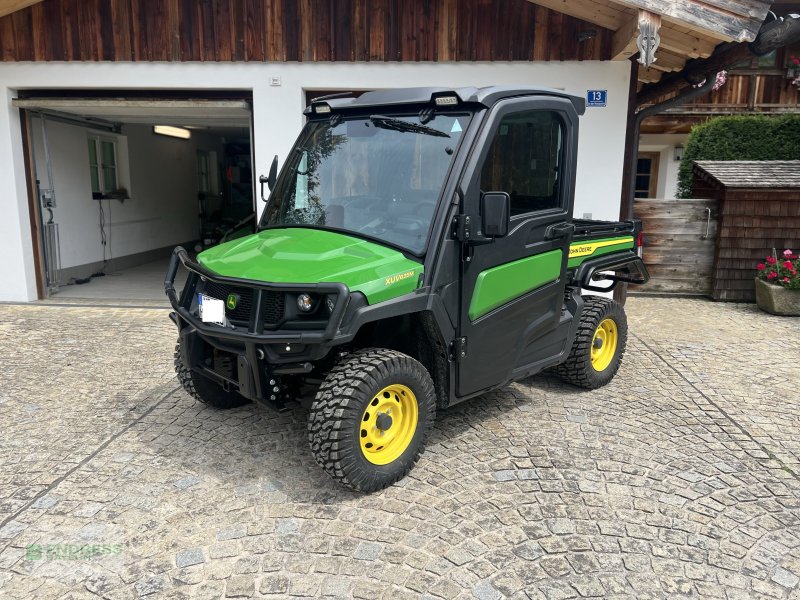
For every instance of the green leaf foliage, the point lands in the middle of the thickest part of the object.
(756, 137)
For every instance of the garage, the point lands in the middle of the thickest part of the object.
(117, 181)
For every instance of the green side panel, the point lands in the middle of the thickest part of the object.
(605, 246)
(297, 255)
(500, 285)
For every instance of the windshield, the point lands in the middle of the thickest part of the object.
(375, 176)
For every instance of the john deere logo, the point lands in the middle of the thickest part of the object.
(232, 302)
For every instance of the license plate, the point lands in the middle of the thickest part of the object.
(211, 309)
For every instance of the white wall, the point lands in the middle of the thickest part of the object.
(664, 144)
(277, 118)
(160, 174)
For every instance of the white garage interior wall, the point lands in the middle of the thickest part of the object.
(160, 174)
(278, 98)
(664, 145)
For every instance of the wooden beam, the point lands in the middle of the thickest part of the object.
(711, 20)
(649, 75)
(605, 16)
(623, 43)
(688, 44)
(9, 6)
(667, 61)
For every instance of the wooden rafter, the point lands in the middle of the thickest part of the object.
(9, 6)
(688, 45)
(720, 19)
(602, 14)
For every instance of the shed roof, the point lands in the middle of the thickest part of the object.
(750, 173)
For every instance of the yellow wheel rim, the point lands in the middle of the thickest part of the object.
(604, 344)
(388, 424)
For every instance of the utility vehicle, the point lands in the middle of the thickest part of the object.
(417, 249)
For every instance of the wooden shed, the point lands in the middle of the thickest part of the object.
(759, 209)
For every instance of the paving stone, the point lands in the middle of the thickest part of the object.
(240, 586)
(234, 532)
(150, 585)
(486, 591)
(187, 482)
(274, 584)
(785, 578)
(45, 502)
(368, 551)
(188, 557)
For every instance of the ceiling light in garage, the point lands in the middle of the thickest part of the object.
(177, 132)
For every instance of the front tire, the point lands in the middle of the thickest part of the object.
(371, 417)
(596, 353)
(203, 389)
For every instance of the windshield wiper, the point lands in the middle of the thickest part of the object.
(404, 126)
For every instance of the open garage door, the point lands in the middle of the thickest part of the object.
(117, 182)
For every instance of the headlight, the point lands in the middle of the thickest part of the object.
(305, 302)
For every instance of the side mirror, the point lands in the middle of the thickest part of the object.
(495, 214)
(269, 179)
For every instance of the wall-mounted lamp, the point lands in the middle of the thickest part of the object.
(178, 132)
(678, 153)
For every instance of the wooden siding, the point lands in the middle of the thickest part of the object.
(296, 30)
(751, 223)
(752, 92)
(743, 94)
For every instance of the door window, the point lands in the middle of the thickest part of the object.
(525, 160)
(646, 175)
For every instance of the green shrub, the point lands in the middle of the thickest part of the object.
(756, 137)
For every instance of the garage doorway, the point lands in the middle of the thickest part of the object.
(115, 183)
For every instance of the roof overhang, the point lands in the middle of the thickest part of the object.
(686, 29)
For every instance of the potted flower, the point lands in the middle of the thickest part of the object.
(778, 284)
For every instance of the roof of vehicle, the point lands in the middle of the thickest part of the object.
(423, 95)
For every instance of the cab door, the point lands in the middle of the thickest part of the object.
(513, 286)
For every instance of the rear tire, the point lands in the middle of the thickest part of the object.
(371, 417)
(203, 389)
(596, 353)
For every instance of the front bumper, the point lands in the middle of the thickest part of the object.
(260, 353)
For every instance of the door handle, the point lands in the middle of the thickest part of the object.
(559, 230)
(708, 224)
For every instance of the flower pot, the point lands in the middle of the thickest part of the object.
(777, 300)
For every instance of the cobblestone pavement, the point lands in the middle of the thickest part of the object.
(680, 478)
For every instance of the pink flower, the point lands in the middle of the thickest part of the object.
(788, 264)
(771, 260)
(772, 275)
(761, 266)
(786, 279)
(787, 252)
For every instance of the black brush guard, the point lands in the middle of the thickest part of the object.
(256, 361)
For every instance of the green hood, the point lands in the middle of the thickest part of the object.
(297, 255)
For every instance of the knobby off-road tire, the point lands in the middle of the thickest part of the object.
(345, 427)
(205, 390)
(592, 363)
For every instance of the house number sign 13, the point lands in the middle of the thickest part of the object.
(596, 97)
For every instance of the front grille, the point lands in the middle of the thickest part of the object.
(244, 305)
(273, 303)
(273, 307)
